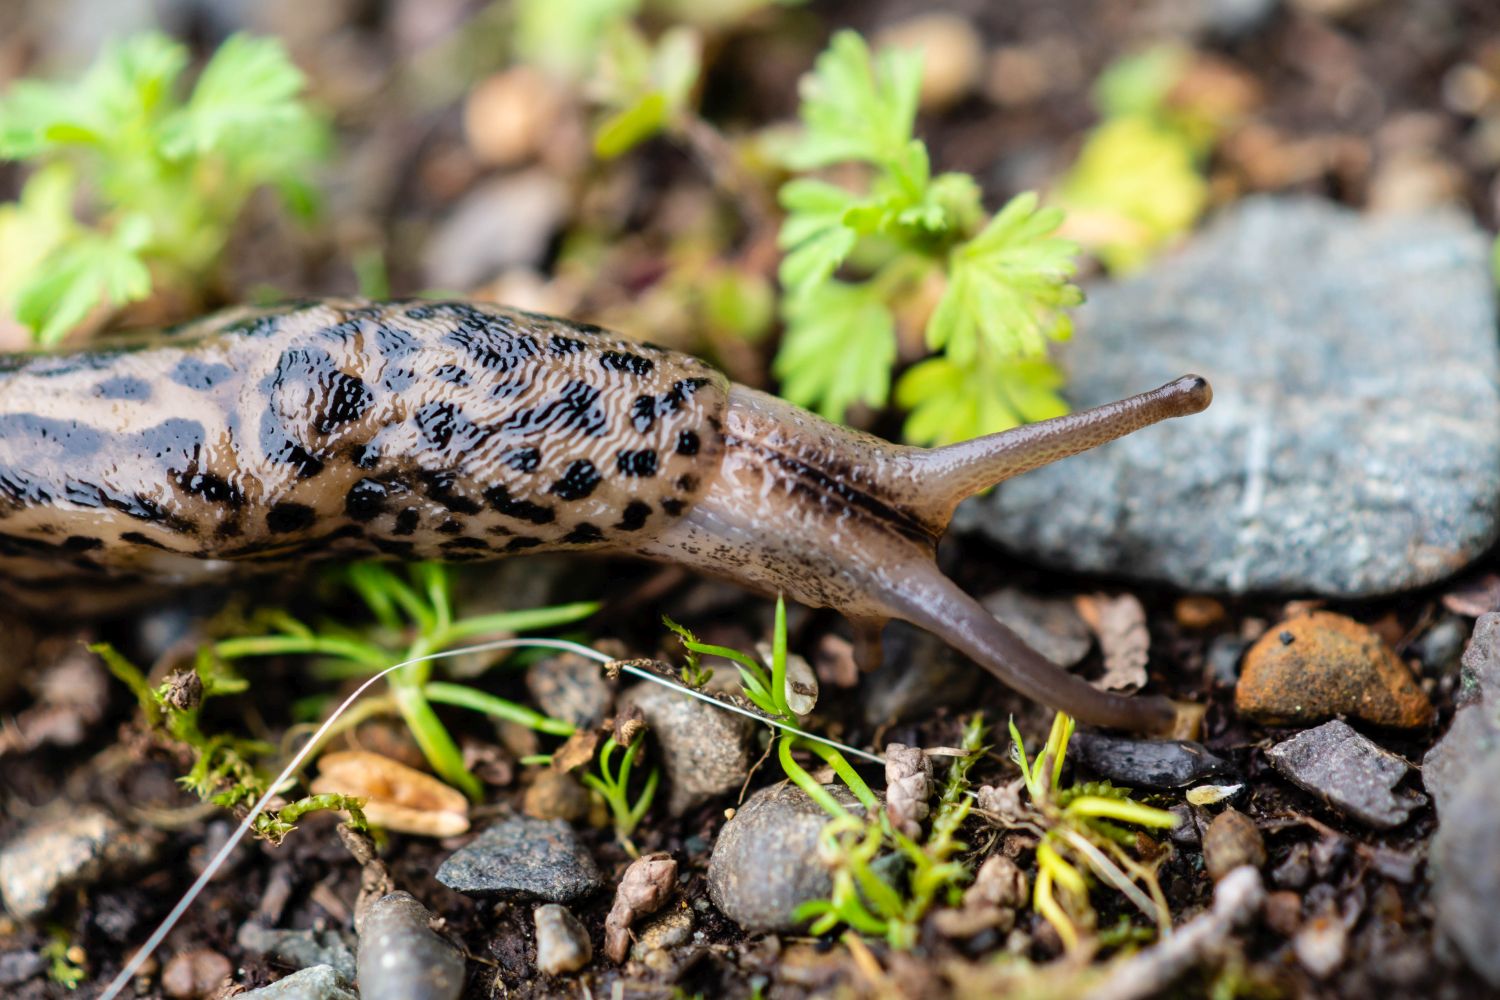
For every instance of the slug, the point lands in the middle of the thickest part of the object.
(467, 431)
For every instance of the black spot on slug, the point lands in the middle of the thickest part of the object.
(82, 543)
(687, 484)
(406, 522)
(636, 462)
(464, 543)
(136, 538)
(212, 488)
(687, 443)
(287, 516)
(451, 527)
(394, 343)
(440, 487)
(366, 499)
(624, 361)
(452, 374)
(575, 410)
(522, 459)
(579, 480)
(633, 518)
(673, 506)
(643, 413)
(347, 398)
(562, 346)
(195, 373)
(124, 387)
(583, 534)
(499, 498)
(522, 542)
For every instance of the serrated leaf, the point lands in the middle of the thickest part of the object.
(1007, 287)
(83, 273)
(32, 227)
(857, 107)
(949, 401)
(839, 348)
(247, 91)
(814, 233)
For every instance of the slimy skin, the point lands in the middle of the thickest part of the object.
(468, 431)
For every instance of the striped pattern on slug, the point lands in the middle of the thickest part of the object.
(433, 430)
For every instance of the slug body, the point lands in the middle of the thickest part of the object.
(466, 431)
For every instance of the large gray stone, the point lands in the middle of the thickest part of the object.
(1353, 446)
(523, 859)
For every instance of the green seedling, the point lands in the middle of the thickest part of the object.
(693, 673)
(223, 770)
(1084, 835)
(611, 780)
(1005, 279)
(160, 176)
(64, 959)
(414, 615)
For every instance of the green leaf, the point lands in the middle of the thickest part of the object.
(1007, 287)
(839, 349)
(856, 107)
(624, 130)
(1138, 84)
(82, 274)
(814, 234)
(950, 401)
(564, 37)
(246, 93)
(32, 227)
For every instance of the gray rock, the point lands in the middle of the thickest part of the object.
(503, 223)
(570, 687)
(1353, 447)
(321, 982)
(19, 966)
(1349, 772)
(300, 949)
(1465, 878)
(562, 943)
(765, 862)
(1051, 627)
(917, 673)
(402, 958)
(524, 859)
(705, 751)
(1148, 763)
(68, 849)
(658, 941)
(1473, 737)
(1440, 647)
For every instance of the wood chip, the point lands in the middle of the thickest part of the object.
(1119, 623)
(396, 797)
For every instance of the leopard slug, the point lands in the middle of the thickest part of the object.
(467, 431)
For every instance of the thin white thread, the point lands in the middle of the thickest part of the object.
(217, 861)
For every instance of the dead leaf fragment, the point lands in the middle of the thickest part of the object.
(1474, 597)
(396, 797)
(576, 751)
(1120, 625)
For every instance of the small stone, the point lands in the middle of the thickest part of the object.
(300, 949)
(1147, 763)
(1415, 181)
(503, 223)
(562, 943)
(1321, 945)
(1283, 913)
(1285, 485)
(952, 55)
(1442, 644)
(1051, 627)
(1198, 612)
(765, 862)
(917, 674)
(1232, 840)
(555, 795)
(68, 849)
(572, 688)
(1224, 654)
(18, 966)
(402, 958)
(1480, 676)
(1323, 664)
(1349, 772)
(320, 982)
(705, 751)
(524, 859)
(655, 942)
(1295, 869)
(508, 116)
(191, 975)
(396, 797)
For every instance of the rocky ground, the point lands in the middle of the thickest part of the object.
(1312, 560)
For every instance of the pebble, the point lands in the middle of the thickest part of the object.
(1349, 772)
(656, 941)
(572, 688)
(555, 795)
(1285, 484)
(1283, 913)
(1321, 945)
(194, 974)
(300, 949)
(1232, 840)
(562, 943)
(917, 673)
(952, 55)
(69, 849)
(1051, 627)
(509, 115)
(19, 966)
(1318, 665)
(320, 982)
(765, 862)
(1459, 772)
(524, 859)
(503, 223)
(1148, 763)
(704, 751)
(402, 958)
(1441, 645)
